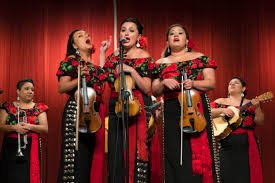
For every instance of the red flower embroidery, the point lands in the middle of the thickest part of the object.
(200, 65)
(32, 119)
(170, 68)
(66, 59)
(42, 107)
(200, 76)
(211, 63)
(12, 109)
(150, 66)
(74, 63)
(197, 61)
(139, 61)
(101, 76)
(170, 75)
(108, 64)
(188, 72)
(88, 78)
(59, 72)
(94, 73)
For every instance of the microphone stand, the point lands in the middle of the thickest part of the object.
(124, 96)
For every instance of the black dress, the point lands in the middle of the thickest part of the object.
(75, 166)
(198, 155)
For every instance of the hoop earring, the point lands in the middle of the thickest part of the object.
(137, 44)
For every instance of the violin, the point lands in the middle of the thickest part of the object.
(192, 121)
(88, 117)
(134, 105)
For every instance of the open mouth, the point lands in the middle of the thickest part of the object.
(88, 41)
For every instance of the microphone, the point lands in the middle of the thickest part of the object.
(122, 40)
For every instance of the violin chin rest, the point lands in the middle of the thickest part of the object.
(189, 129)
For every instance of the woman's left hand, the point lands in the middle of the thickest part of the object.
(188, 84)
(255, 102)
(126, 68)
(26, 126)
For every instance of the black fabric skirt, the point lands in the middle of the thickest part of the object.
(174, 173)
(14, 169)
(116, 150)
(234, 159)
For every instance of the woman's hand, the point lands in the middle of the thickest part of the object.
(171, 84)
(256, 102)
(105, 45)
(84, 70)
(20, 128)
(126, 68)
(188, 84)
(228, 112)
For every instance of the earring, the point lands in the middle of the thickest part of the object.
(242, 94)
(186, 48)
(18, 98)
(77, 51)
(137, 44)
(168, 49)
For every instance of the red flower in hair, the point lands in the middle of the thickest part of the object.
(190, 44)
(143, 42)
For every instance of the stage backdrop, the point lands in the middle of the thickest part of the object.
(240, 36)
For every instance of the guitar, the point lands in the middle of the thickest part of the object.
(222, 125)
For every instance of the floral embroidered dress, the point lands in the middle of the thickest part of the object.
(91, 146)
(28, 168)
(239, 151)
(138, 147)
(197, 148)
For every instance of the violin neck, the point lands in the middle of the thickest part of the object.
(188, 95)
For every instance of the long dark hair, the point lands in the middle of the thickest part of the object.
(167, 52)
(70, 49)
(135, 21)
(22, 82)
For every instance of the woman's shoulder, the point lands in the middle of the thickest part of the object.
(221, 101)
(162, 60)
(195, 55)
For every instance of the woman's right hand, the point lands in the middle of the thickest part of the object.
(84, 70)
(19, 128)
(228, 112)
(171, 84)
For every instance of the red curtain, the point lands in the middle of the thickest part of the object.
(239, 35)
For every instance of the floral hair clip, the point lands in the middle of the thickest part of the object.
(190, 44)
(143, 42)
